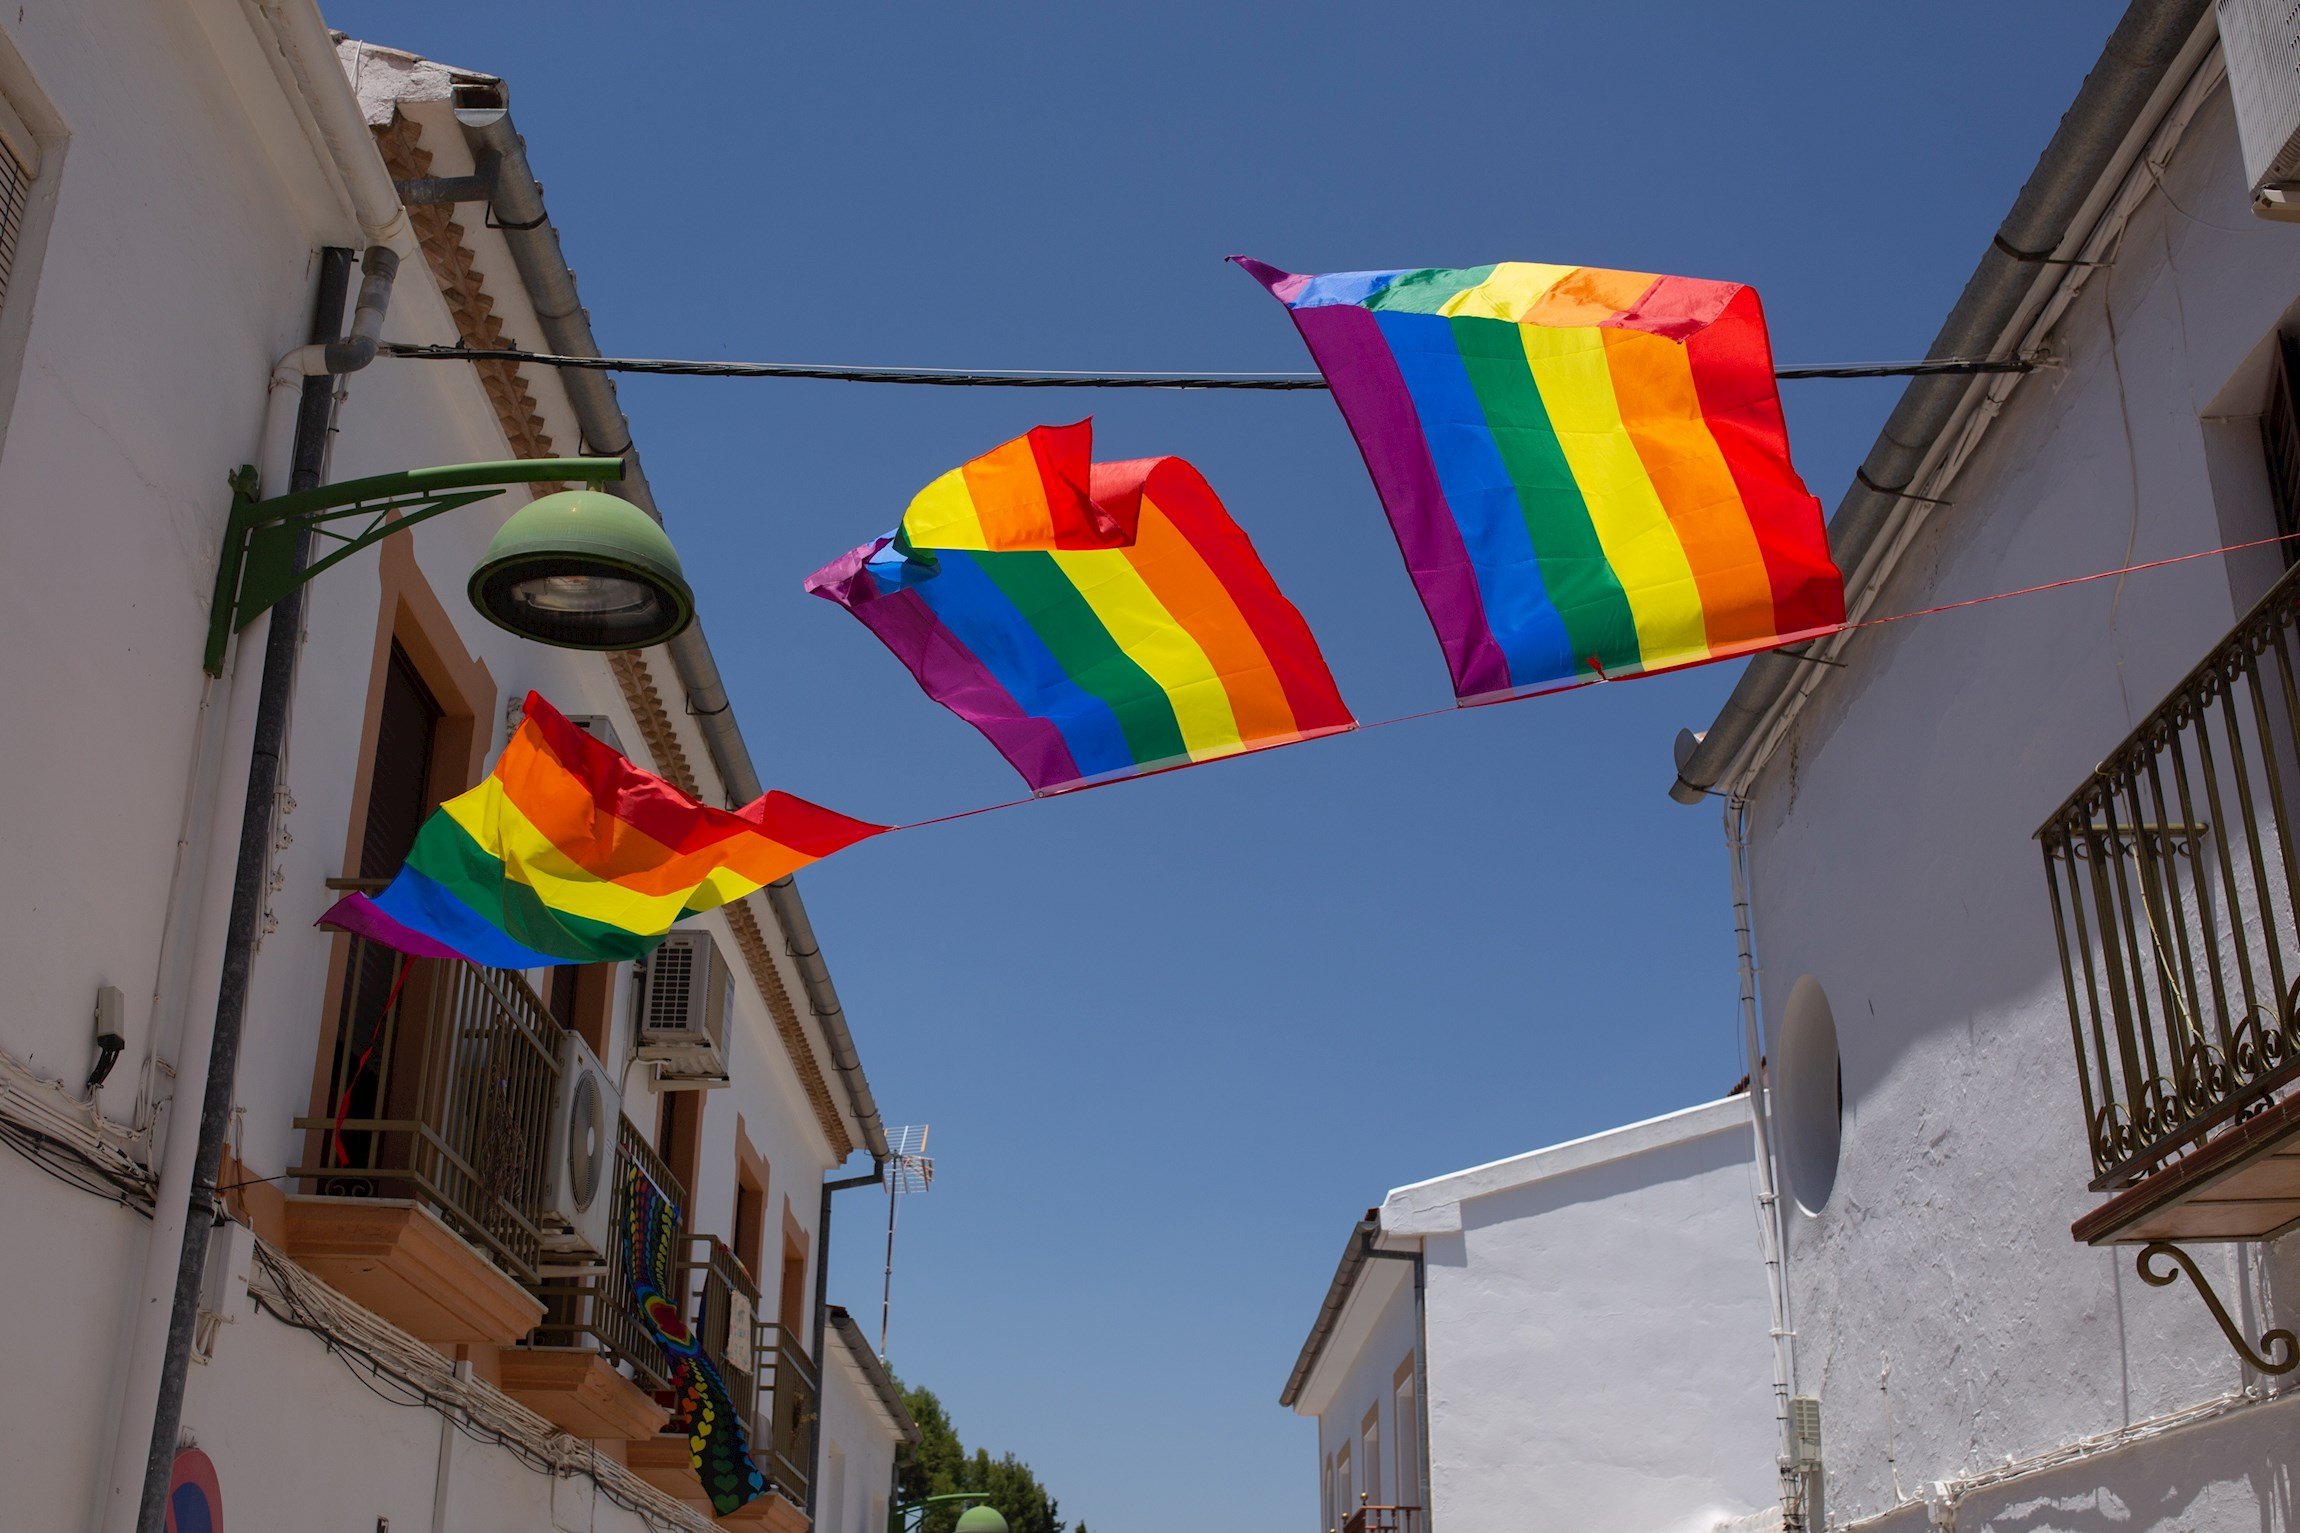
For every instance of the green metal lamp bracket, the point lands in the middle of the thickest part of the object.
(2283, 1348)
(258, 563)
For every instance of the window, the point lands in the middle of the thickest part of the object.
(750, 1220)
(1326, 1492)
(15, 195)
(1406, 1427)
(679, 1140)
(2280, 440)
(1370, 1450)
(1345, 1502)
(581, 997)
(794, 1291)
(1809, 1095)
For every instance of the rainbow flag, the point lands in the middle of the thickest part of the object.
(1587, 470)
(1093, 620)
(568, 853)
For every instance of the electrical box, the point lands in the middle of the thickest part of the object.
(2261, 41)
(686, 999)
(1805, 1434)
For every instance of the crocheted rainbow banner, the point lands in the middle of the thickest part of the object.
(1093, 620)
(568, 853)
(1587, 470)
(718, 1444)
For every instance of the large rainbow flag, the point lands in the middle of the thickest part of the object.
(1587, 470)
(1093, 620)
(568, 853)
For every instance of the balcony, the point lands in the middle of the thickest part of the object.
(2174, 880)
(425, 1190)
(592, 1367)
(1384, 1519)
(790, 1408)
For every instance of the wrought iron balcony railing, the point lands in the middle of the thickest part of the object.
(790, 1411)
(1384, 1519)
(2174, 882)
(441, 1091)
(599, 1307)
(726, 1319)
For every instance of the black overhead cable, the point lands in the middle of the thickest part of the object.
(977, 378)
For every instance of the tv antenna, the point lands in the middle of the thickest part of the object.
(908, 1168)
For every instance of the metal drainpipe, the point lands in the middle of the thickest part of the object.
(525, 225)
(823, 1299)
(2143, 47)
(282, 640)
(1419, 1256)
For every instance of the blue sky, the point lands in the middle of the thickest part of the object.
(1174, 1036)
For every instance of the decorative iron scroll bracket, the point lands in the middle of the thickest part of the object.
(2281, 1344)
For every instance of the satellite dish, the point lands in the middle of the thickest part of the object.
(1687, 743)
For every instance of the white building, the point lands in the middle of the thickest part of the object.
(172, 180)
(864, 1425)
(1993, 1082)
(1589, 1337)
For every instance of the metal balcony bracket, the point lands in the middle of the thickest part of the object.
(2283, 1347)
(257, 566)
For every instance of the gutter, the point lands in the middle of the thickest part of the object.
(520, 217)
(1330, 1312)
(2029, 252)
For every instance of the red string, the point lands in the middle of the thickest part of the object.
(343, 1103)
(1461, 707)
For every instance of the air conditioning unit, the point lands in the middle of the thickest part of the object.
(597, 725)
(687, 996)
(2261, 41)
(1805, 1434)
(578, 1216)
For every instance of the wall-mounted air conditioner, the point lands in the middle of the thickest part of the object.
(2261, 41)
(578, 1216)
(597, 725)
(686, 999)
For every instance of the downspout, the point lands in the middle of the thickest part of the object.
(2026, 250)
(526, 227)
(823, 1297)
(1772, 1231)
(188, 1181)
(1419, 1256)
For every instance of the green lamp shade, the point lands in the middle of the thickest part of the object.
(583, 569)
(981, 1519)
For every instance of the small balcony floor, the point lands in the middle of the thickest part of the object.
(579, 1392)
(396, 1258)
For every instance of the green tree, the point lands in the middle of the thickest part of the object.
(940, 1465)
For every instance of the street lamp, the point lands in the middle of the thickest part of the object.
(581, 569)
(908, 1516)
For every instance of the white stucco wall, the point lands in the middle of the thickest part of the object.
(188, 204)
(1597, 1334)
(859, 1447)
(1943, 1314)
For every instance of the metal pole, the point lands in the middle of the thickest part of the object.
(248, 878)
(886, 1290)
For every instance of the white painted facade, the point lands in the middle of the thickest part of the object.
(1595, 1315)
(864, 1426)
(1943, 1315)
(182, 195)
